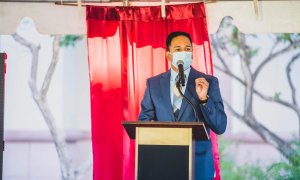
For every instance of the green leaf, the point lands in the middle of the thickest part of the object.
(252, 52)
(277, 95)
(70, 40)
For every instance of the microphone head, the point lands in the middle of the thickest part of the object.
(179, 62)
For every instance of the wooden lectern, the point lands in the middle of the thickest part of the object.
(164, 150)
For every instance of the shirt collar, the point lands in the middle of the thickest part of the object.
(174, 74)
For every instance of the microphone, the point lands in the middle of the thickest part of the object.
(181, 81)
(180, 64)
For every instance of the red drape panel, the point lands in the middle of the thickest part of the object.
(126, 45)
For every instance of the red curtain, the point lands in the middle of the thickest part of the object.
(126, 45)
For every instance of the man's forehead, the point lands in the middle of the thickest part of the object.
(181, 40)
(189, 45)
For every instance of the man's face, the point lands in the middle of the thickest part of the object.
(179, 44)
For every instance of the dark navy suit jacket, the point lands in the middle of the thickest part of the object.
(156, 105)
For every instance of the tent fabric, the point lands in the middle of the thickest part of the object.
(57, 19)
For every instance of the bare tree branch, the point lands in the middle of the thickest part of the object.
(59, 139)
(245, 64)
(84, 168)
(67, 168)
(234, 112)
(273, 47)
(248, 117)
(267, 135)
(258, 93)
(272, 56)
(34, 49)
(51, 68)
(42, 105)
(276, 100)
(284, 148)
(230, 74)
(293, 89)
(288, 72)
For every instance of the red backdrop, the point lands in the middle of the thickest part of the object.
(126, 45)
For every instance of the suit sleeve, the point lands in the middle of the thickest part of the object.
(213, 111)
(147, 107)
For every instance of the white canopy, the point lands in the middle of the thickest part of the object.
(273, 16)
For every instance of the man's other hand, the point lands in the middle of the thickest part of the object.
(201, 88)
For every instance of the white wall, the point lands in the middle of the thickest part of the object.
(29, 150)
(76, 93)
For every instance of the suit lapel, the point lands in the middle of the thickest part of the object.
(190, 93)
(184, 102)
(165, 91)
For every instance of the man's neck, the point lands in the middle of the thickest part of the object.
(175, 69)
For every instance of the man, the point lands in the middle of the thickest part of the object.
(162, 102)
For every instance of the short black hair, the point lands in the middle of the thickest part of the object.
(172, 35)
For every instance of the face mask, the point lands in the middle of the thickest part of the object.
(184, 56)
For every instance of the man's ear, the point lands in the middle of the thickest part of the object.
(168, 55)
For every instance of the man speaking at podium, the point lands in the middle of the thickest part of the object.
(163, 102)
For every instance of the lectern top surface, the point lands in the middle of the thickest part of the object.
(198, 128)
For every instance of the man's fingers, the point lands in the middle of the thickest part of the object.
(201, 82)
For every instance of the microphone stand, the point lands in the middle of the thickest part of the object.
(178, 86)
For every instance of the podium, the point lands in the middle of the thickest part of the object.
(164, 150)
